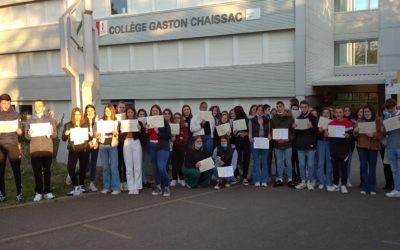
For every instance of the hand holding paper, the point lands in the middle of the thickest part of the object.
(206, 164)
(40, 129)
(239, 125)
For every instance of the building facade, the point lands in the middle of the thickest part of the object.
(226, 52)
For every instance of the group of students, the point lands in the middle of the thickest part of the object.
(312, 154)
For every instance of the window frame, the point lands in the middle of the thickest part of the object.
(367, 51)
(337, 6)
(120, 14)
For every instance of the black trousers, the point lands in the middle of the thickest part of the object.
(73, 158)
(121, 163)
(295, 165)
(177, 159)
(41, 166)
(243, 150)
(387, 171)
(339, 164)
(14, 156)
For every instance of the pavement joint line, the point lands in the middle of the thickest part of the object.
(109, 216)
(103, 230)
(203, 204)
(391, 242)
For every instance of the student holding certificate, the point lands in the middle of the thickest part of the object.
(186, 117)
(205, 128)
(142, 114)
(41, 150)
(283, 121)
(76, 132)
(120, 113)
(224, 121)
(259, 129)
(11, 123)
(178, 151)
(133, 153)
(368, 145)
(107, 135)
(352, 117)
(393, 146)
(340, 149)
(167, 114)
(194, 178)
(306, 144)
(324, 178)
(224, 156)
(159, 153)
(91, 119)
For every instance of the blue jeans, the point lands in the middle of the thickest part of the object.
(208, 143)
(145, 164)
(324, 157)
(368, 160)
(92, 164)
(109, 159)
(279, 153)
(159, 158)
(260, 166)
(309, 154)
(394, 156)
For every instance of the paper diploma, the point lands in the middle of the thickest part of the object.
(8, 126)
(261, 143)
(206, 116)
(296, 113)
(206, 164)
(366, 127)
(79, 135)
(129, 126)
(336, 131)
(302, 124)
(175, 128)
(105, 126)
(224, 172)
(223, 129)
(120, 117)
(40, 129)
(280, 134)
(323, 122)
(156, 121)
(392, 123)
(239, 125)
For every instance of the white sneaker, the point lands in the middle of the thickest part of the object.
(227, 185)
(38, 197)
(93, 187)
(49, 196)
(301, 185)
(68, 180)
(105, 191)
(116, 192)
(136, 192)
(183, 183)
(82, 189)
(349, 185)
(363, 192)
(264, 184)
(130, 192)
(257, 184)
(333, 188)
(343, 189)
(310, 186)
(372, 193)
(173, 183)
(393, 194)
(321, 186)
(77, 191)
(217, 186)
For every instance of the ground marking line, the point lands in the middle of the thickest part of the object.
(104, 217)
(391, 242)
(107, 231)
(203, 204)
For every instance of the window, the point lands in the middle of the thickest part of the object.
(355, 5)
(119, 7)
(356, 52)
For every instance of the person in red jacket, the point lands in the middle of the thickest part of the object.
(178, 151)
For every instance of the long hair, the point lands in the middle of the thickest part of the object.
(252, 106)
(142, 110)
(130, 108)
(182, 122)
(372, 109)
(187, 106)
(112, 109)
(240, 114)
(86, 117)
(157, 107)
(218, 111)
(194, 142)
(82, 121)
(171, 114)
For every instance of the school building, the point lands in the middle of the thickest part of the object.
(226, 52)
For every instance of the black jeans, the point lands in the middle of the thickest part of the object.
(387, 171)
(177, 159)
(73, 158)
(295, 165)
(121, 163)
(243, 150)
(41, 165)
(339, 164)
(14, 155)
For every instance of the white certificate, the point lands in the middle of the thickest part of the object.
(206, 164)
(129, 126)
(261, 143)
(105, 126)
(366, 127)
(79, 135)
(296, 113)
(8, 126)
(223, 129)
(156, 121)
(175, 128)
(120, 117)
(336, 131)
(40, 129)
(280, 134)
(143, 120)
(206, 116)
(392, 123)
(302, 124)
(224, 172)
(323, 122)
(239, 125)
